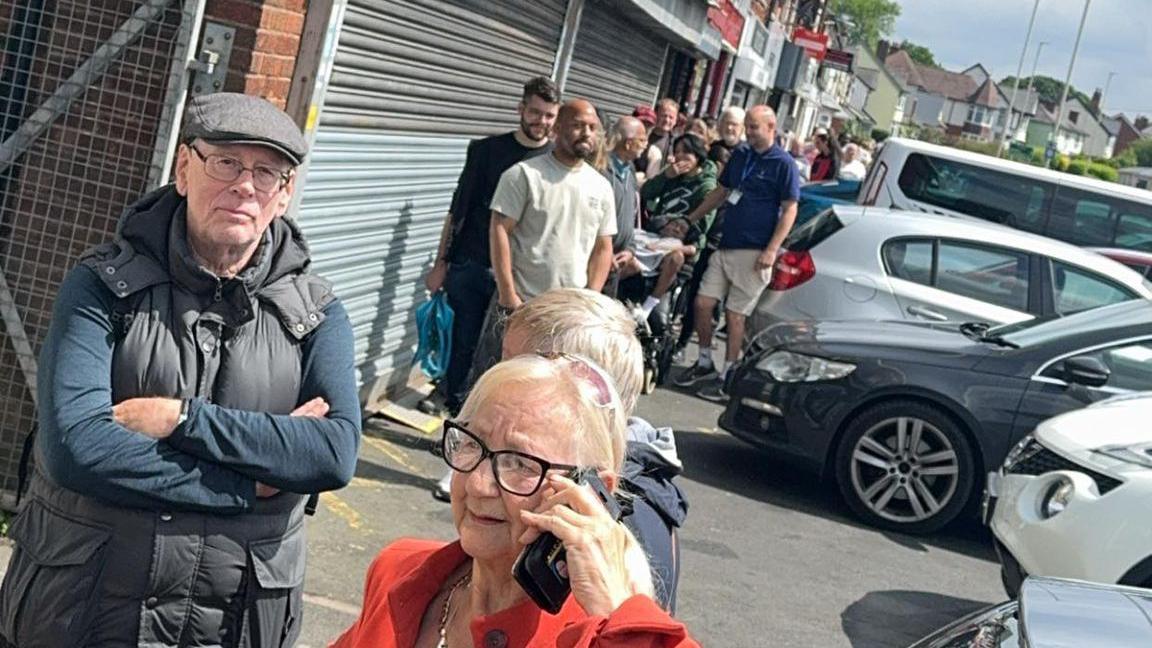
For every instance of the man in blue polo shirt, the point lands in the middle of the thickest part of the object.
(761, 186)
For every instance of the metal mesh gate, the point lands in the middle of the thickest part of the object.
(88, 91)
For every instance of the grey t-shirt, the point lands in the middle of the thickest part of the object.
(560, 212)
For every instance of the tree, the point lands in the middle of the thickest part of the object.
(868, 20)
(1141, 123)
(1048, 88)
(919, 53)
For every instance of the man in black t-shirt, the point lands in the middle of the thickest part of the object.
(463, 268)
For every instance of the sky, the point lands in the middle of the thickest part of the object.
(1117, 38)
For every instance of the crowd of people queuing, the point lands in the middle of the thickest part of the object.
(198, 387)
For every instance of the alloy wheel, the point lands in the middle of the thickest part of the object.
(904, 469)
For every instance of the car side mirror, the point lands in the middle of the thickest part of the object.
(1087, 371)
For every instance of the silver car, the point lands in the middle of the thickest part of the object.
(854, 262)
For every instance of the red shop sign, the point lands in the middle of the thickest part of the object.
(813, 43)
(728, 20)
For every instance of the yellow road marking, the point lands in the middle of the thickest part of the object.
(399, 456)
(342, 510)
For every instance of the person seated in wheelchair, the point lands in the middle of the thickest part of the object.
(661, 255)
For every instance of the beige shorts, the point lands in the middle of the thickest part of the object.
(732, 276)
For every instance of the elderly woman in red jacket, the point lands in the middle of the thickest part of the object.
(527, 421)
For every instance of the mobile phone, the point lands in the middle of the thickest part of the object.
(542, 568)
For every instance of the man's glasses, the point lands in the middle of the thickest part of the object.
(516, 472)
(265, 179)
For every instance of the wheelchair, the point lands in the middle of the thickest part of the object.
(660, 332)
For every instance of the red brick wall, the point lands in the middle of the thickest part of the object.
(267, 41)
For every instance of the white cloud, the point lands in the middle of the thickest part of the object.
(1116, 38)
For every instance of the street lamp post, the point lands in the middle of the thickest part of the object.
(1068, 77)
(1016, 84)
(1035, 64)
(1107, 84)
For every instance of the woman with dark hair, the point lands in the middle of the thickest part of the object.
(686, 180)
(827, 162)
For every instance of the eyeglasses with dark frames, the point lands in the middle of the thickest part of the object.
(225, 168)
(518, 473)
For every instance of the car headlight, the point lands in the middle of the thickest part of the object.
(788, 367)
(1020, 450)
(1056, 498)
(1138, 453)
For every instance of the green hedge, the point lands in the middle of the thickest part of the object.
(1103, 171)
(1077, 167)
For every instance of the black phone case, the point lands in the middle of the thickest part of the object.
(542, 568)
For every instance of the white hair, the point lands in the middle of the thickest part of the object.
(734, 113)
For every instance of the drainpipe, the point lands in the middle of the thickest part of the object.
(567, 43)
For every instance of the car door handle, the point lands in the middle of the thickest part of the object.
(927, 313)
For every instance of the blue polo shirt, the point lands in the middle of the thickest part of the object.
(765, 180)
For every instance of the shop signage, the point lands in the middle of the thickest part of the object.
(839, 60)
(725, 17)
(814, 44)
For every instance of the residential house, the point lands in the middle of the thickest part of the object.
(1070, 138)
(881, 103)
(1023, 110)
(1139, 177)
(968, 104)
(1122, 128)
(1098, 142)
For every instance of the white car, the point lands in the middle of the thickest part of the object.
(1074, 499)
(867, 263)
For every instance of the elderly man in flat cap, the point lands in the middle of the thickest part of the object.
(195, 385)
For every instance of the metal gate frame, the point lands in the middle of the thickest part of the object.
(83, 78)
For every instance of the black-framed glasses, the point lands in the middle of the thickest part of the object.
(265, 179)
(516, 472)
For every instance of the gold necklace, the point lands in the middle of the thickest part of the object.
(463, 582)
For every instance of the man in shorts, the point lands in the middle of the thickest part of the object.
(761, 185)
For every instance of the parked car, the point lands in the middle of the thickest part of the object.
(815, 197)
(1139, 261)
(853, 262)
(922, 177)
(908, 417)
(1074, 498)
(1055, 613)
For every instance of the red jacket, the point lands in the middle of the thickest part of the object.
(408, 574)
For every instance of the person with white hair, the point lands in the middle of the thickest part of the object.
(852, 168)
(730, 129)
(528, 422)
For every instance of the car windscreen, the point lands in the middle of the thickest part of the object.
(1052, 327)
(815, 231)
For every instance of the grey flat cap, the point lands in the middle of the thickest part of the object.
(234, 118)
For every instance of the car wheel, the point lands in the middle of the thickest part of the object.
(905, 466)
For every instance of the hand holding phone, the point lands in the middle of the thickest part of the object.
(580, 548)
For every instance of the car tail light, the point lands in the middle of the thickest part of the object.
(791, 270)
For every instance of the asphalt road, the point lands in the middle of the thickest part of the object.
(771, 557)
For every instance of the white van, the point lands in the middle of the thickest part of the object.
(916, 176)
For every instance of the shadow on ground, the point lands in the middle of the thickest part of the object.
(894, 618)
(722, 461)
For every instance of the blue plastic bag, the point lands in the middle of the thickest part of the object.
(434, 326)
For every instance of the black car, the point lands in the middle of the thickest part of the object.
(907, 417)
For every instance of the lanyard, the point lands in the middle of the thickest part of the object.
(749, 167)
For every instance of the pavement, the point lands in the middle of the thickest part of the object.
(770, 555)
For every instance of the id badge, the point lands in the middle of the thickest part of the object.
(734, 196)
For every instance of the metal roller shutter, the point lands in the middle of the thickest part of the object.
(412, 82)
(615, 64)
